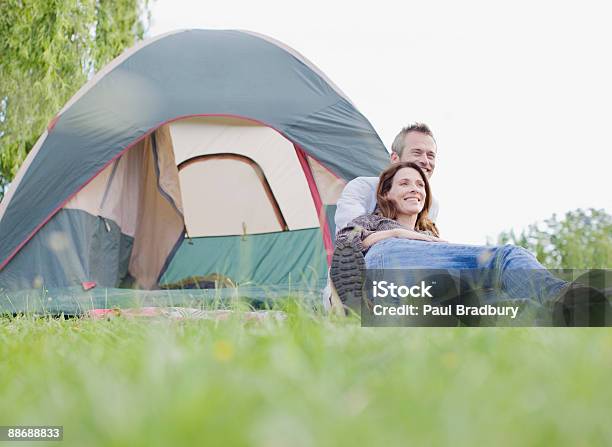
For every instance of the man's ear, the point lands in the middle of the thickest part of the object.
(394, 157)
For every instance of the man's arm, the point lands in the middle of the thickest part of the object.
(355, 201)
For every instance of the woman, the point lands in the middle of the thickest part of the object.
(399, 235)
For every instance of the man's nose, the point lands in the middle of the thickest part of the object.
(424, 162)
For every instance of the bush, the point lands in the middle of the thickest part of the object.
(581, 240)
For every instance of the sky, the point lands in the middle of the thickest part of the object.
(518, 94)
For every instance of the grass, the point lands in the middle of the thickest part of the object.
(309, 380)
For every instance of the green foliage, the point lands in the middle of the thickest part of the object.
(582, 239)
(48, 50)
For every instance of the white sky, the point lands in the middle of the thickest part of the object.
(517, 93)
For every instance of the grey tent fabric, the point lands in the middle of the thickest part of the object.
(191, 73)
(67, 251)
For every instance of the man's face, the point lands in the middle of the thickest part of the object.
(419, 148)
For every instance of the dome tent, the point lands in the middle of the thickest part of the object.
(194, 153)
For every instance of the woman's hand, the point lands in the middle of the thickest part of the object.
(404, 233)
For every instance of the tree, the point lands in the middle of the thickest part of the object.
(48, 50)
(581, 240)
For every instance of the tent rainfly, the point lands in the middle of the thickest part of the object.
(194, 154)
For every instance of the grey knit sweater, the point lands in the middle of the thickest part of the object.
(361, 227)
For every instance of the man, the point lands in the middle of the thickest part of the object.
(414, 143)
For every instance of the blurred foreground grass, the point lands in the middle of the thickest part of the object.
(306, 381)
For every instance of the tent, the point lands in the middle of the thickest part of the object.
(196, 154)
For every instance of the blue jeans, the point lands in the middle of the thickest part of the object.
(510, 269)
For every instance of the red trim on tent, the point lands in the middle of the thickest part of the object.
(52, 123)
(327, 241)
(88, 285)
(326, 168)
(129, 146)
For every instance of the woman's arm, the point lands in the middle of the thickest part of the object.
(400, 233)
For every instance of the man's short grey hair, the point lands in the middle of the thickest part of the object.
(398, 143)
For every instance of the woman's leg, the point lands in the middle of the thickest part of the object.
(520, 275)
(512, 269)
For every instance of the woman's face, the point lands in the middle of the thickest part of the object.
(407, 191)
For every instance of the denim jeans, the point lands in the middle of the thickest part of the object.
(508, 269)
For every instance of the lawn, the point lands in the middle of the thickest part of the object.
(307, 380)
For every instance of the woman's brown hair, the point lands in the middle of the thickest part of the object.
(387, 208)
